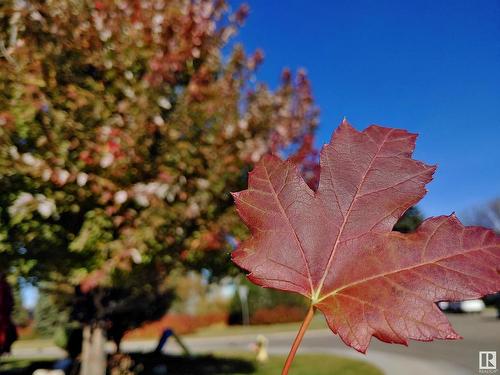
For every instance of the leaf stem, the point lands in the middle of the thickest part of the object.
(298, 340)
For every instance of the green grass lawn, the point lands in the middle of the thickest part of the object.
(316, 364)
(33, 343)
(23, 366)
(231, 364)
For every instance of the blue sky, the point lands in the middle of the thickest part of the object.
(432, 67)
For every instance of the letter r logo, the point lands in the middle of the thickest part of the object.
(487, 360)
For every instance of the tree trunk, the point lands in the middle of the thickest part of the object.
(118, 343)
(94, 358)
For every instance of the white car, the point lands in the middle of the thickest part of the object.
(472, 306)
(469, 306)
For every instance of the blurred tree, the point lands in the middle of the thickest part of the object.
(487, 215)
(196, 296)
(50, 314)
(122, 130)
(133, 298)
(409, 221)
(20, 314)
(266, 299)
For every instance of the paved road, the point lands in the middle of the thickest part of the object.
(480, 332)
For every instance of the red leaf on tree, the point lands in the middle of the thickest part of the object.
(336, 246)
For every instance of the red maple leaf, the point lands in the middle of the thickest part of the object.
(336, 246)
